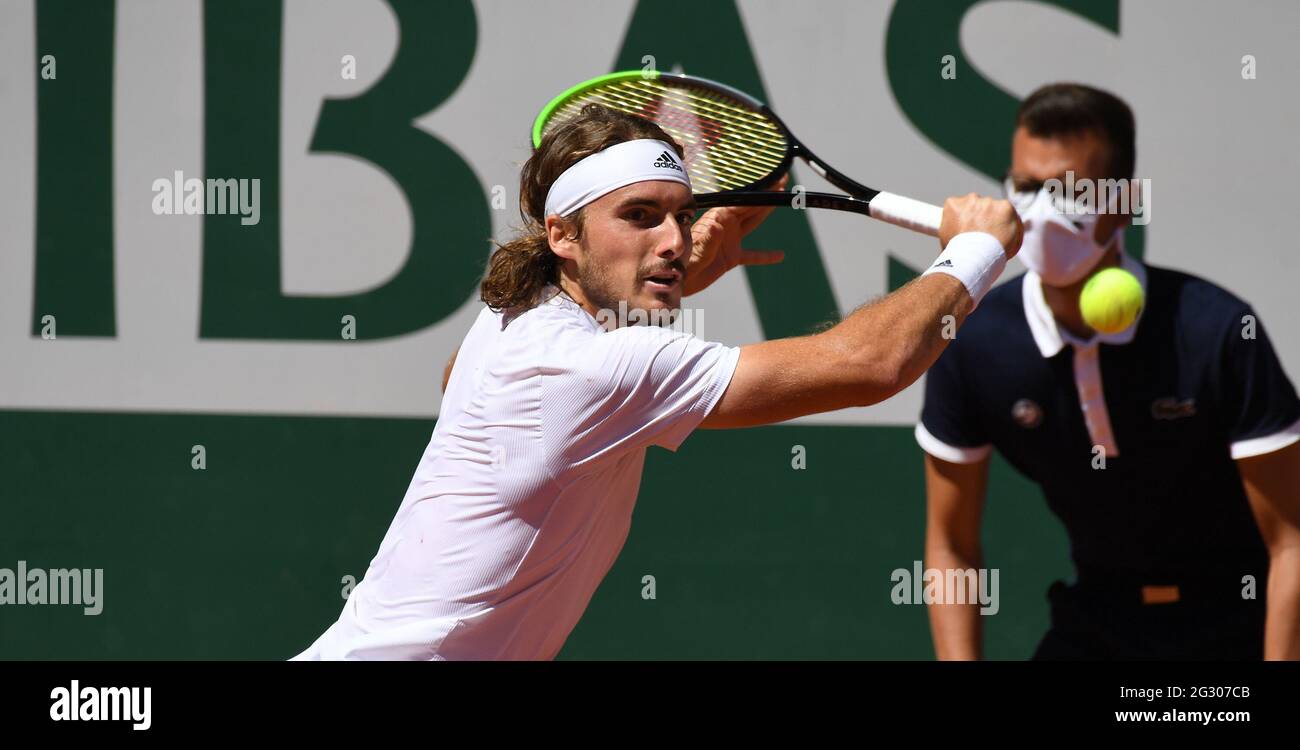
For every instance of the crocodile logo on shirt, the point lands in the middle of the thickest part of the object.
(1171, 408)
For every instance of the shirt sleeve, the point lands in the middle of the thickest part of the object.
(1259, 401)
(950, 428)
(638, 386)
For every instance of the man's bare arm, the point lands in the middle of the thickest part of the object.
(954, 511)
(872, 354)
(446, 373)
(1272, 483)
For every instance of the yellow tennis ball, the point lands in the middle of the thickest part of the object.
(1111, 300)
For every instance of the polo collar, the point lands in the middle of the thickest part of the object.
(1050, 338)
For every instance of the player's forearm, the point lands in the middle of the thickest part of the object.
(868, 357)
(899, 337)
(956, 629)
(446, 372)
(889, 343)
(882, 347)
(1270, 480)
(1282, 623)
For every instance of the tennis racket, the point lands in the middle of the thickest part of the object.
(736, 147)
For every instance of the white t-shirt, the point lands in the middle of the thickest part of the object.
(523, 498)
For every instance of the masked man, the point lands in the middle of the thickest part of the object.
(1168, 449)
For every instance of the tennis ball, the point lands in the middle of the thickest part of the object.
(1111, 300)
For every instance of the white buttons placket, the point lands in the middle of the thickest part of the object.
(1087, 379)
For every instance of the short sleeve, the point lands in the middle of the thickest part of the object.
(1258, 400)
(638, 386)
(950, 428)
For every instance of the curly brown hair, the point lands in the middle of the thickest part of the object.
(519, 270)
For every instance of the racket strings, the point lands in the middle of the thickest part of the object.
(621, 96)
(713, 125)
(717, 161)
(728, 144)
(718, 109)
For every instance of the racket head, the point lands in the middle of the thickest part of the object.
(733, 142)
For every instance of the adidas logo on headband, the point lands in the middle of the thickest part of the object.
(667, 161)
(638, 160)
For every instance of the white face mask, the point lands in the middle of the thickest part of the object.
(1058, 246)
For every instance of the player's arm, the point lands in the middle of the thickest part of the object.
(446, 372)
(1261, 406)
(875, 352)
(1272, 482)
(954, 509)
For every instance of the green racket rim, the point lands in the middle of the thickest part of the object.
(743, 145)
(545, 115)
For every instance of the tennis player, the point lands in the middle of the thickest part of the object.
(523, 498)
(1170, 450)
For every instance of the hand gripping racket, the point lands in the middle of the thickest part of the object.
(736, 147)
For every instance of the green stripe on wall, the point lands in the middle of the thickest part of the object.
(243, 560)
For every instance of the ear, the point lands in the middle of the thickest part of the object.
(559, 235)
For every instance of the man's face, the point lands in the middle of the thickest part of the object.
(633, 247)
(1035, 160)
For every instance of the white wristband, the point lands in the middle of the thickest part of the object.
(976, 259)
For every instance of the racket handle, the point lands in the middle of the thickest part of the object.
(907, 213)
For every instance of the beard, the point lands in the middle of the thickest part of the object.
(601, 289)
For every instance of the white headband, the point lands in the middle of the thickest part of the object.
(618, 166)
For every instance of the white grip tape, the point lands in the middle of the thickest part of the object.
(976, 259)
(907, 213)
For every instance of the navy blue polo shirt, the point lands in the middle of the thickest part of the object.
(1169, 403)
